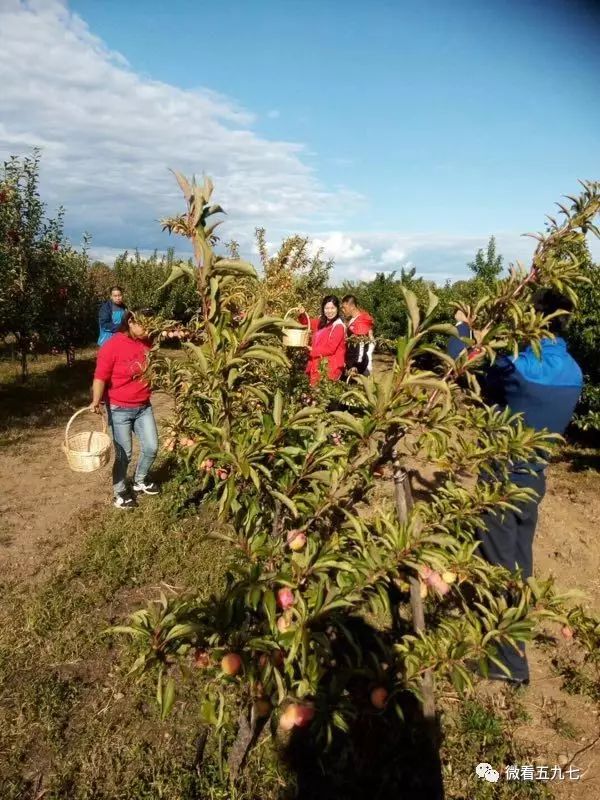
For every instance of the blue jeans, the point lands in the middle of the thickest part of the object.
(123, 422)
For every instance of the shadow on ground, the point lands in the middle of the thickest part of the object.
(47, 398)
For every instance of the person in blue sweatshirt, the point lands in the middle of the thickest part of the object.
(111, 314)
(545, 390)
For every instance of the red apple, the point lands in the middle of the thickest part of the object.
(222, 474)
(285, 597)
(207, 464)
(379, 696)
(304, 715)
(231, 664)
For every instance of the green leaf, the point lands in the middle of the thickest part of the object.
(183, 183)
(168, 698)
(413, 308)
(238, 267)
(277, 407)
(177, 271)
(285, 500)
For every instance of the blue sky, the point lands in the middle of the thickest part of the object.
(393, 133)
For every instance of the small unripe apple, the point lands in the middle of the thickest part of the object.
(222, 474)
(207, 464)
(288, 719)
(284, 623)
(231, 664)
(296, 540)
(379, 696)
(285, 597)
(449, 577)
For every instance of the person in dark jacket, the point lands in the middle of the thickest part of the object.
(111, 314)
(545, 390)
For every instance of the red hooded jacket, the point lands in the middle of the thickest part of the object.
(361, 325)
(327, 343)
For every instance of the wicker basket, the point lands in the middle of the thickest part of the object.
(295, 337)
(89, 450)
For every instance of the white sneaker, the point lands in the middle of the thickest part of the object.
(145, 488)
(124, 501)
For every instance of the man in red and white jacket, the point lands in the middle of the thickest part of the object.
(359, 355)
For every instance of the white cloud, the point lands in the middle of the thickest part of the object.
(340, 247)
(109, 134)
(393, 255)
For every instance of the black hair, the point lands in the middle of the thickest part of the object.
(115, 289)
(548, 301)
(323, 321)
(350, 298)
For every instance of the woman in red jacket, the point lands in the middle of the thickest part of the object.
(328, 341)
(118, 377)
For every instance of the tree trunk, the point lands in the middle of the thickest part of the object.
(404, 504)
(24, 368)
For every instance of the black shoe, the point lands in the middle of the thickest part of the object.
(515, 682)
(124, 501)
(141, 487)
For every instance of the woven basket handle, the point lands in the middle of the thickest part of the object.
(297, 308)
(76, 414)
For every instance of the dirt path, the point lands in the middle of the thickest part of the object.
(40, 496)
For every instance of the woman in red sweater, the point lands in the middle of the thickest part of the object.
(118, 378)
(328, 341)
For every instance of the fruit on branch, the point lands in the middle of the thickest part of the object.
(222, 474)
(207, 464)
(284, 622)
(449, 577)
(296, 715)
(201, 659)
(379, 696)
(285, 598)
(296, 540)
(231, 664)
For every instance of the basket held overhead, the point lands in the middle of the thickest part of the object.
(87, 451)
(295, 337)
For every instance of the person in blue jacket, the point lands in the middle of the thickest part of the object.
(545, 390)
(110, 315)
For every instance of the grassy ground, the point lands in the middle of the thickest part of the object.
(73, 726)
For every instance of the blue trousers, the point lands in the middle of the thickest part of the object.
(123, 423)
(507, 540)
